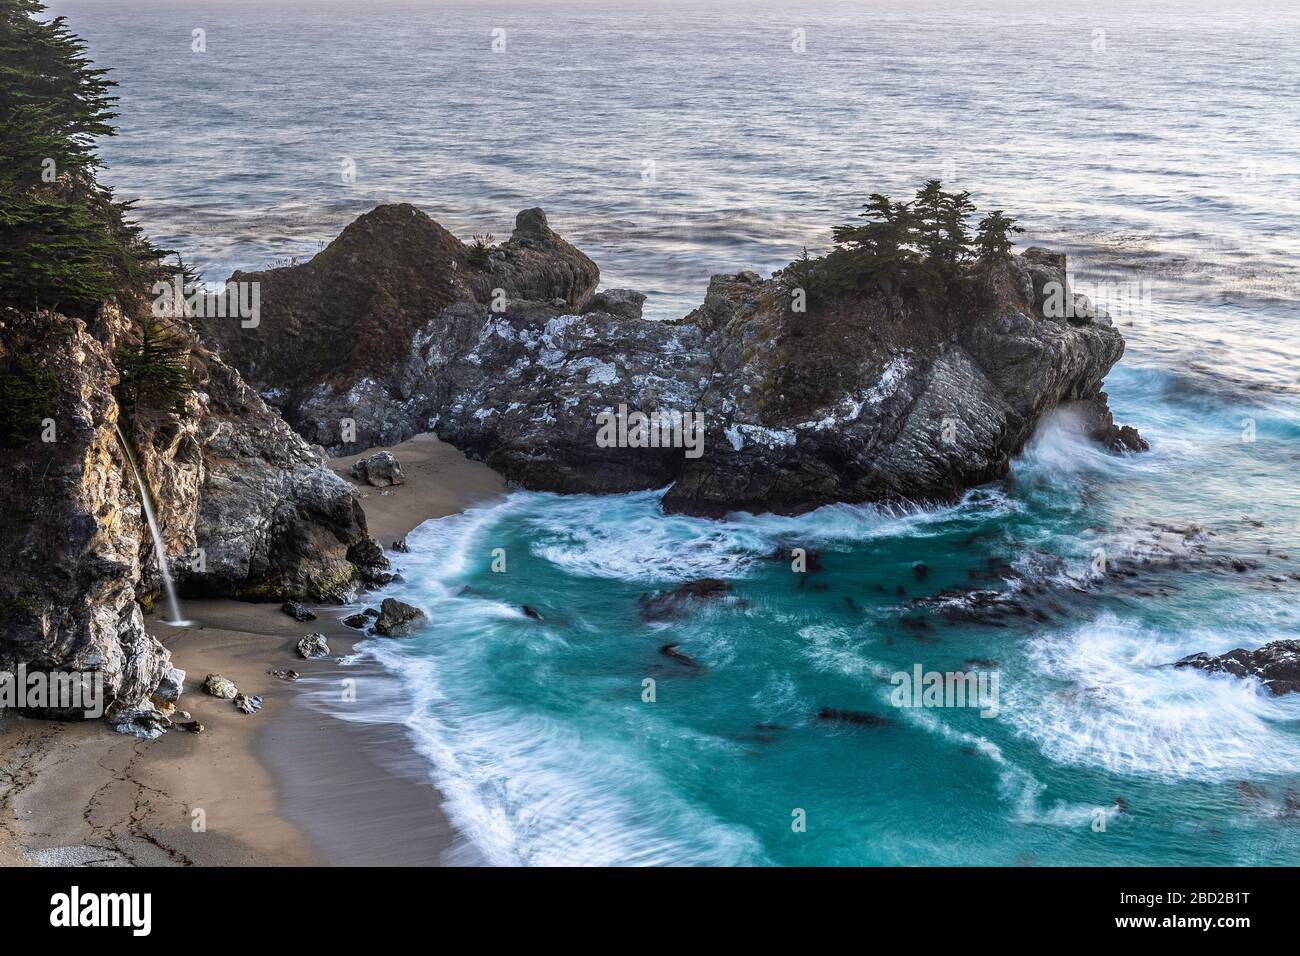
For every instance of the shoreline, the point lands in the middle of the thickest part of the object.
(295, 784)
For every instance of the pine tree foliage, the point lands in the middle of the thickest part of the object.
(919, 246)
(154, 372)
(65, 243)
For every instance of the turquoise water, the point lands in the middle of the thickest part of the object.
(539, 734)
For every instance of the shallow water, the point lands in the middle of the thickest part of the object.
(1164, 161)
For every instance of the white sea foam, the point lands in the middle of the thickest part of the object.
(628, 538)
(528, 789)
(1109, 700)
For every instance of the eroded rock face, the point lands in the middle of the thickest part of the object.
(1275, 665)
(246, 509)
(71, 528)
(331, 331)
(273, 522)
(861, 398)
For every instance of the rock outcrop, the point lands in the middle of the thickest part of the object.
(863, 397)
(246, 508)
(1275, 665)
(332, 331)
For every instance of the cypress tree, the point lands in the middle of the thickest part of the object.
(155, 372)
(993, 238)
(65, 243)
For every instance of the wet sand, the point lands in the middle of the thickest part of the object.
(296, 783)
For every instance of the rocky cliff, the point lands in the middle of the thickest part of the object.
(861, 397)
(332, 330)
(246, 507)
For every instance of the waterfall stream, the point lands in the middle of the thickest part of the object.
(172, 604)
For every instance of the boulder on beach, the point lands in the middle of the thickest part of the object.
(313, 645)
(397, 619)
(380, 470)
(359, 621)
(170, 687)
(219, 686)
(248, 704)
(297, 611)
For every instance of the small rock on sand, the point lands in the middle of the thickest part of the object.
(218, 686)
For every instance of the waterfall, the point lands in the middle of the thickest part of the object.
(172, 604)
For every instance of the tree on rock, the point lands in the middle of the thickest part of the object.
(881, 251)
(155, 372)
(993, 238)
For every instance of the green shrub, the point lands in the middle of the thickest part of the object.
(154, 373)
(27, 397)
(480, 252)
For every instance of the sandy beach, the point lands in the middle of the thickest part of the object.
(290, 785)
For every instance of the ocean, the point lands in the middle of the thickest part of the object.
(1154, 143)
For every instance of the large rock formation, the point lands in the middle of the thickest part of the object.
(332, 330)
(245, 507)
(70, 530)
(862, 397)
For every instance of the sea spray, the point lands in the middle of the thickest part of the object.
(172, 604)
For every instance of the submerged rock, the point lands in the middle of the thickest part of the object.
(380, 470)
(857, 717)
(397, 619)
(670, 604)
(1275, 665)
(221, 687)
(312, 646)
(671, 651)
